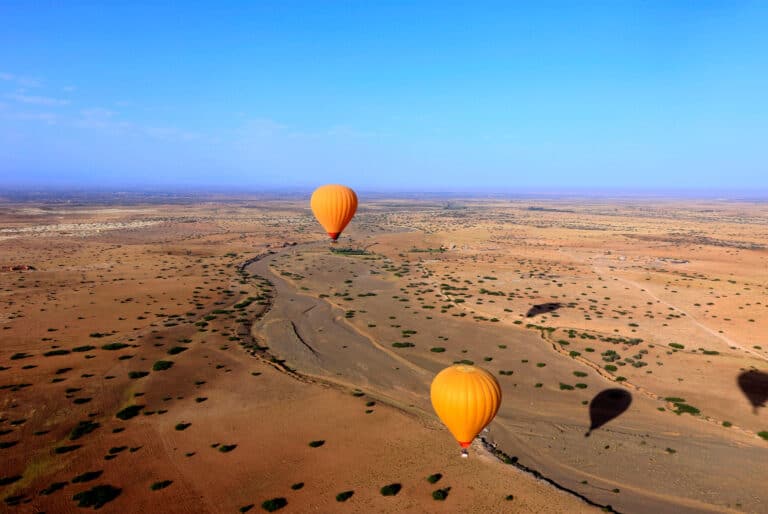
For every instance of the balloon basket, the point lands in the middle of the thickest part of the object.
(464, 453)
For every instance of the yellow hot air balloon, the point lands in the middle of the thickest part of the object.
(333, 206)
(466, 399)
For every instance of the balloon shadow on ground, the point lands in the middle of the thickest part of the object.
(607, 405)
(542, 308)
(754, 385)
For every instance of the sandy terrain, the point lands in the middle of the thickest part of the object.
(273, 345)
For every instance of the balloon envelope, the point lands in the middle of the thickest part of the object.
(333, 206)
(466, 399)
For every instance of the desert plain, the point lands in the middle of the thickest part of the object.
(217, 354)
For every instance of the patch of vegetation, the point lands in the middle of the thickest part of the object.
(391, 489)
(182, 426)
(83, 428)
(274, 504)
(763, 434)
(66, 449)
(177, 350)
(433, 479)
(441, 494)
(137, 374)
(297, 486)
(87, 476)
(56, 486)
(162, 365)
(677, 346)
(403, 345)
(114, 346)
(86, 348)
(129, 412)
(97, 496)
(200, 399)
(565, 387)
(344, 496)
(579, 374)
(160, 485)
(53, 353)
(316, 444)
(684, 408)
(226, 448)
(437, 349)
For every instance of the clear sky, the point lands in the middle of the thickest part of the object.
(385, 95)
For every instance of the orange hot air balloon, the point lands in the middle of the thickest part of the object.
(466, 399)
(333, 206)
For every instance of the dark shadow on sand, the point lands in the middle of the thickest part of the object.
(607, 405)
(754, 385)
(542, 308)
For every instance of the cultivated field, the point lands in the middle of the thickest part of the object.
(191, 355)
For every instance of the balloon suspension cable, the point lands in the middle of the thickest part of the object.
(464, 453)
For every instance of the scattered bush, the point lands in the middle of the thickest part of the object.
(274, 504)
(441, 494)
(97, 496)
(162, 365)
(344, 496)
(160, 485)
(129, 412)
(391, 489)
(316, 444)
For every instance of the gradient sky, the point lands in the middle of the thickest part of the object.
(385, 95)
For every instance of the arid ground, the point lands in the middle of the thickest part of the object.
(178, 354)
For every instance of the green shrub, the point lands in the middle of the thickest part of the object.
(137, 374)
(162, 365)
(763, 434)
(403, 345)
(114, 346)
(344, 496)
(177, 350)
(274, 504)
(676, 345)
(440, 494)
(97, 496)
(316, 444)
(579, 374)
(391, 489)
(83, 428)
(129, 412)
(437, 349)
(297, 486)
(433, 479)
(87, 477)
(160, 485)
(56, 352)
(86, 348)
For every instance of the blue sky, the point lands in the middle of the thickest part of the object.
(385, 95)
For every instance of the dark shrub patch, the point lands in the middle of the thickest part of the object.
(441, 494)
(114, 346)
(344, 496)
(8, 444)
(226, 448)
(182, 426)
(87, 477)
(177, 350)
(391, 489)
(56, 486)
(160, 485)
(97, 496)
(67, 449)
(274, 504)
(297, 486)
(53, 353)
(162, 365)
(433, 479)
(200, 399)
(137, 374)
(86, 348)
(129, 412)
(9, 480)
(317, 444)
(83, 428)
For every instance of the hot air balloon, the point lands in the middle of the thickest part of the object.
(466, 399)
(333, 206)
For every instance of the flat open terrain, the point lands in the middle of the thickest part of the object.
(210, 355)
